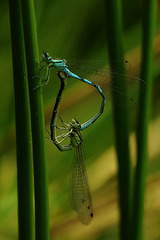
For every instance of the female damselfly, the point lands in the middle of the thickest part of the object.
(79, 186)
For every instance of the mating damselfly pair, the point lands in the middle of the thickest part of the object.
(98, 76)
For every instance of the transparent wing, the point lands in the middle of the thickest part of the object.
(101, 74)
(79, 188)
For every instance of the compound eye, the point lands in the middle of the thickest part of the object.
(46, 55)
(79, 125)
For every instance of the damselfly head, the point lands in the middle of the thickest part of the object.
(75, 124)
(45, 57)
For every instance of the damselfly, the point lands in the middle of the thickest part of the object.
(99, 75)
(79, 187)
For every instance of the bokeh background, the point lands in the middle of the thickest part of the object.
(76, 30)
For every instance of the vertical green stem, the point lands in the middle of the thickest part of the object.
(23, 128)
(37, 121)
(149, 12)
(114, 36)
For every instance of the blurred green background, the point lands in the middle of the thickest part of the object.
(76, 30)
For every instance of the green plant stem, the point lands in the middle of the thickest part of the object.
(37, 121)
(148, 27)
(23, 128)
(114, 36)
